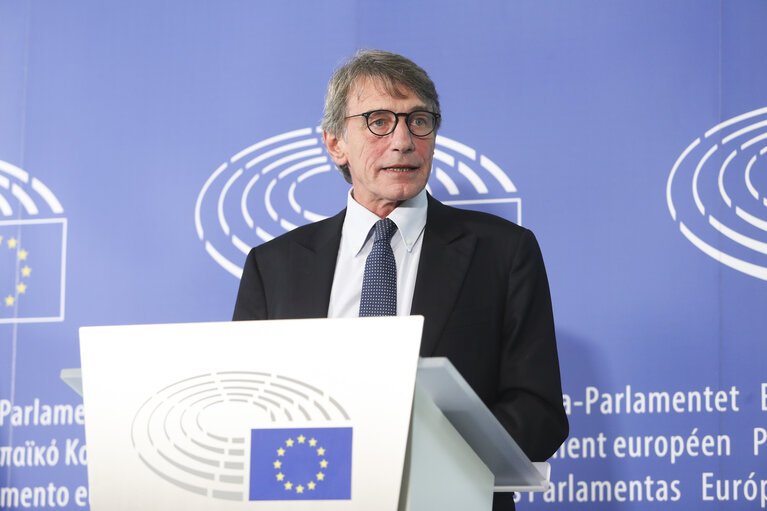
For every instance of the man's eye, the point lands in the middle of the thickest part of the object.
(420, 120)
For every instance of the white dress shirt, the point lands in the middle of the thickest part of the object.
(357, 242)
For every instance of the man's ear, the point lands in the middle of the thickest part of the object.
(336, 148)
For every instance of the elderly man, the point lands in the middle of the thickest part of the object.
(478, 280)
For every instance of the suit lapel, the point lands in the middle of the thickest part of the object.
(314, 258)
(445, 256)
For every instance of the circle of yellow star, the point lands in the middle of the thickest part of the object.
(23, 254)
(12, 243)
(25, 271)
(9, 300)
(282, 452)
(21, 288)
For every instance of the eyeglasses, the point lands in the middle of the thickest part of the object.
(382, 122)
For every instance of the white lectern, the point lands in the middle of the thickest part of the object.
(178, 415)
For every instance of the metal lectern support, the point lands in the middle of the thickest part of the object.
(458, 452)
(74, 378)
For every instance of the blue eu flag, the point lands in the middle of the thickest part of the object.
(32, 270)
(301, 464)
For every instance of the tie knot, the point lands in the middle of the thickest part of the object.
(385, 230)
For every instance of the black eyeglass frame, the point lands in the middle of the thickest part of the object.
(407, 115)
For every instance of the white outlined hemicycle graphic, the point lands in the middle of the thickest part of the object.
(270, 188)
(33, 238)
(717, 192)
(179, 433)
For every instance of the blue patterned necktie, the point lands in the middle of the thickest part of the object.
(379, 284)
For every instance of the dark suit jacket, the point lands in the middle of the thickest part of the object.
(482, 288)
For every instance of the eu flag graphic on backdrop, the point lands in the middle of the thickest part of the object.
(32, 270)
(301, 464)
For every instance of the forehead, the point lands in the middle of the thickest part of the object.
(375, 93)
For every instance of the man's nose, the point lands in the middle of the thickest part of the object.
(402, 139)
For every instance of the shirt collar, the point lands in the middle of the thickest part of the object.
(410, 217)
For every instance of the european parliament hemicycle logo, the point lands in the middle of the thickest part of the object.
(271, 187)
(247, 436)
(33, 234)
(717, 192)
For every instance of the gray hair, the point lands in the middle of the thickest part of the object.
(394, 72)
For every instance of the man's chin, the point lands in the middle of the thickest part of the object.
(406, 193)
(408, 178)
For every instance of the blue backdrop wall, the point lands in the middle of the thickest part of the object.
(144, 145)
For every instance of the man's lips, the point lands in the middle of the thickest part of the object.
(400, 168)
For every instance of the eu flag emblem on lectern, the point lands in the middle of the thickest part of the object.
(301, 464)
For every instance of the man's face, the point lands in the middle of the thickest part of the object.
(385, 170)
